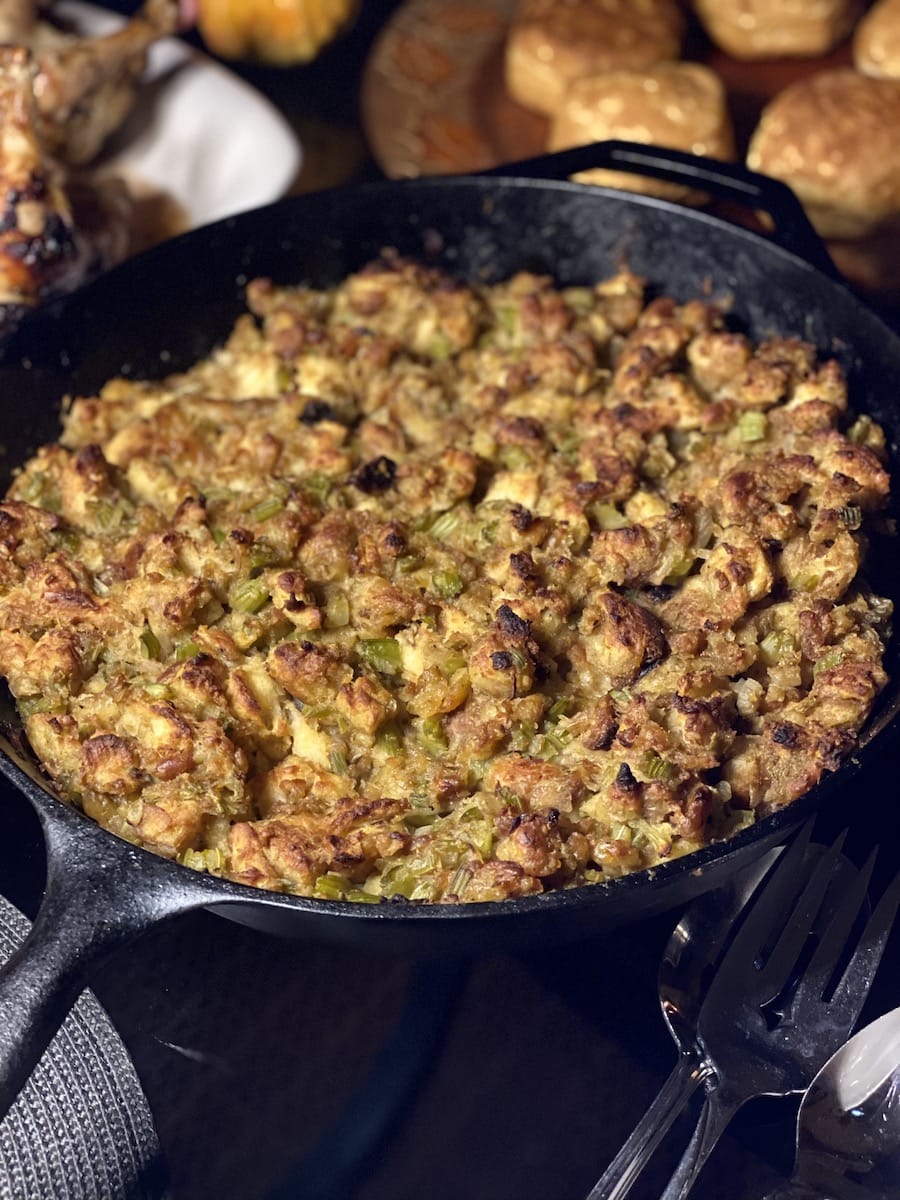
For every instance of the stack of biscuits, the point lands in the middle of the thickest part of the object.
(600, 69)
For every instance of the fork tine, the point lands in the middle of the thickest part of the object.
(797, 923)
(850, 994)
(834, 938)
(775, 892)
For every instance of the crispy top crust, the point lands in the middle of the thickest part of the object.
(448, 593)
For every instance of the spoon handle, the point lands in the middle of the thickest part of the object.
(715, 1116)
(621, 1174)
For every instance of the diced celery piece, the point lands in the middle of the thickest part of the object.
(382, 654)
(266, 509)
(434, 739)
(248, 595)
(447, 583)
(752, 426)
(150, 645)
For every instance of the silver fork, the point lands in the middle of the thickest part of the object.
(788, 991)
(690, 957)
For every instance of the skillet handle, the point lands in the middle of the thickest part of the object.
(92, 905)
(732, 182)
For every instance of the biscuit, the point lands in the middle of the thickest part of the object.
(833, 139)
(552, 42)
(777, 28)
(678, 105)
(876, 43)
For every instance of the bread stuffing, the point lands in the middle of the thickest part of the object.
(452, 593)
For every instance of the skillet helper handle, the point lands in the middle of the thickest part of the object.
(623, 1172)
(732, 182)
(86, 913)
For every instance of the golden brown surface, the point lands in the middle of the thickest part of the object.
(552, 42)
(447, 593)
(833, 139)
(759, 29)
(679, 105)
(876, 42)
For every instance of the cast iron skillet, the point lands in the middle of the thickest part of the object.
(163, 310)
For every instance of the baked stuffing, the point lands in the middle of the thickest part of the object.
(446, 592)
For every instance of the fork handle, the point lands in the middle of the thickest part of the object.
(718, 1109)
(619, 1177)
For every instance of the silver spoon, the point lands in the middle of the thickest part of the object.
(848, 1128)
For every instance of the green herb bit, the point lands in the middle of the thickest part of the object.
(488, 532)
(515, 458)
(752, 426)
(261, 555)
(382, 654)
(607, 516)
(446, 523)
(455, 661)
(440, 347)
(218, 535)
(203, 860)
(434, 739)
(248, 595)
(330, 886)
(106, 515)
(35, 704)
(655, 767)
(447, 583)
(266, 509)
(507, 317)
(557, 709)
(150, 645)
(68, 539)
(828, 661)
(510, 798)
(807, 581)
(420, 818)
(553, 743)
(776, 645)
(680, 567)
(658, 838)
(338, 761)
(318, 485)
(42, 491)
(186, 650)
(521, 735)
(407, 563)
(460, 881)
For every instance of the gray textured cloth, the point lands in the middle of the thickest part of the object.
(81, 1128)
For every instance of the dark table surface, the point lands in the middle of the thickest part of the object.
(295, 1070)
